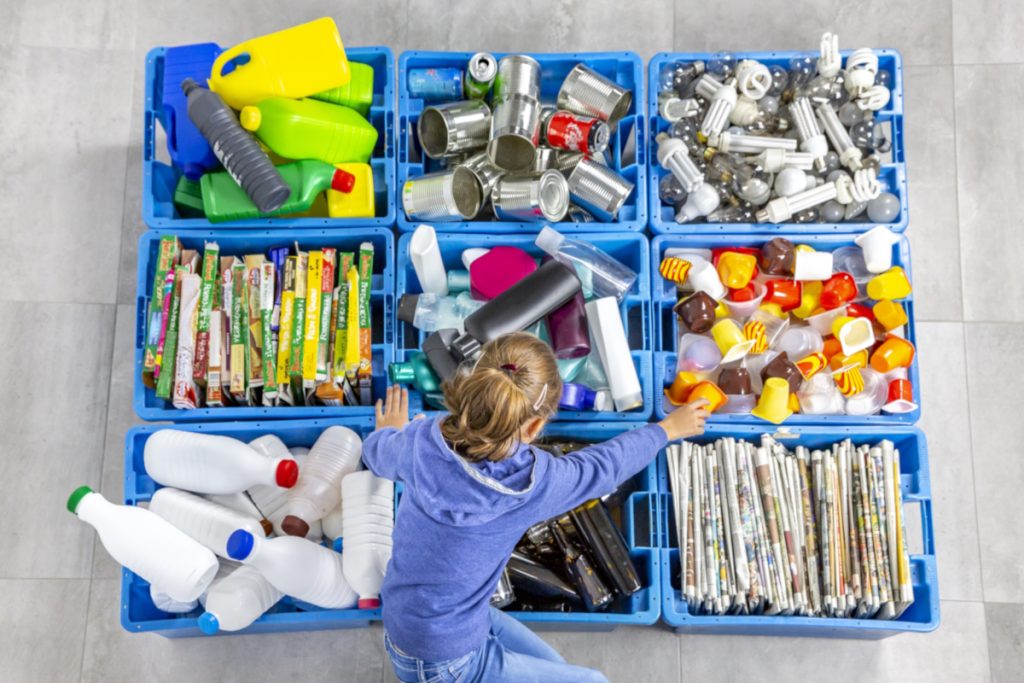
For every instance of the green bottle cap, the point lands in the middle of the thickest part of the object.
(401, 373)
(76, 497)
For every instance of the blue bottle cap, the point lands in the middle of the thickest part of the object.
(240, 544)
(208, 623)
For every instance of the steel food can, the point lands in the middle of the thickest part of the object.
(544, 160)
(586, 92)
(453, 195)
(515, 132)
(452, 128)
(599, 190)
(537, 197)
(566, 162)
(480, 73)
(486, 172)
(572, 133)
(435, 84)
(517, 75)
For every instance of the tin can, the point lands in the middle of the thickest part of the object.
(537, 197)
(566, 162)
(486, 172)
(544, 160)
(578, 215)
(480, 73)
(448, 196)
(515, 132)
(435, 84)
(598, 189)
(452, 128)
(572, 133)
(588, 93)
(517, 75)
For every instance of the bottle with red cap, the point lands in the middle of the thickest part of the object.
(318, 491)
(207, 463)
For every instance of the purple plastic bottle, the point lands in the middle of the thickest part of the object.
(567, 326)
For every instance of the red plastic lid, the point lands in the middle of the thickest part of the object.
(287, 473)
(369, 603)
(342, 181)
(748, 293)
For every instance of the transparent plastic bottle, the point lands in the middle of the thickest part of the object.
(237, 600)
(335, 454)
(431, 312)
(606, 276)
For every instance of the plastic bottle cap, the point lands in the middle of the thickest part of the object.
(549, 240)
(369, 603)
(240, 544)
(76, 497)
(267, 527)
(287, 473)
(251, 117)
(407, 307)
(401, 373)
(208, 623)
(342, 181)
(294, 526)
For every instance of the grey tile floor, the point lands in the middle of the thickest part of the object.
(70, 125)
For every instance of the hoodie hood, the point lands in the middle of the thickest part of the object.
(484, 490)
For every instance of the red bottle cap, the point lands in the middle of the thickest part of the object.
(369, 603)
(342, 181)
(287, 473)
(748, 293)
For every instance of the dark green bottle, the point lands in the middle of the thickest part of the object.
(417, 372)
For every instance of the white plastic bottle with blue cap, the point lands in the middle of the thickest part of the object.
(207, 522)
(235, 601)
(148, 545)
(207, 463)
(296, 567)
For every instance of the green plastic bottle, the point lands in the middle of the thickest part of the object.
(357, 93)
(224, 200)
(310, 129)
(417, 372)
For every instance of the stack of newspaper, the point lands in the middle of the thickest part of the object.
(765, 530)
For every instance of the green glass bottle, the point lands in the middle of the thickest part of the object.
(224, 200)
(310, 129)
(357, 93)
(417, 372)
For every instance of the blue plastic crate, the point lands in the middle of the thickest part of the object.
(639, 522)
(625, 68)
(252, 239)
(627, 247)
(892, 176)
(667, 325)
(915, 485)
(140, 615)
(159, 178)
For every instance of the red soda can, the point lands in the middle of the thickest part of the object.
(572, 133)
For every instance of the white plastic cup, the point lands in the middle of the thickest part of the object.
(820, 396)
(872, 398)
(426, 260)
(800, 342)
(704, 278)
(812, 265)
(877, 246)
(739, 404)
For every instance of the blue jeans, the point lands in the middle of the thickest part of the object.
(512, 654)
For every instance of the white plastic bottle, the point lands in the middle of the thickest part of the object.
(206, 463)
(333, 522)
(318, 491)
(296, 567)
(426, 261)
(607, 276)
(165, 603)
(609, 335)
(147, 545)
(237, 600)
(367, 533)
(206, 522)
(270, 499)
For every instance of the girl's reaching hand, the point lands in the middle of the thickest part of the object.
(393, 411)
(686, 420)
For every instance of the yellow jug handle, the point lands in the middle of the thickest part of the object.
(224, 58)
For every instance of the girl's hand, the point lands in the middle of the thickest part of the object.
(394, 410)
(686, 420)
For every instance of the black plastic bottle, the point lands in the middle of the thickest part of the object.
(235, 148)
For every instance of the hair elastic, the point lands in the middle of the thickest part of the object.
(511, 367)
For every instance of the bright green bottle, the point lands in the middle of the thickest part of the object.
(357, 93)
(310, 129)
(224, 200)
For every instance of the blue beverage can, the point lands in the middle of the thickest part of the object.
(435, 85)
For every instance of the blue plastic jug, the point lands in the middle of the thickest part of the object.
(189, 150)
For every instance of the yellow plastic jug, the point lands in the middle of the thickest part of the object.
(360, 202)
(296, 62)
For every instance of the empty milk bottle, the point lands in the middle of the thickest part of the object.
(206, 463)
(600, 274)
(367, 513)
(270, 500)
(203, 520)
(237, 600)
(165, 603)
(148, 545)
(224, 200)
(310, 129)
(318, 491)
(248, 166)
(296, 567)
(333, 523)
